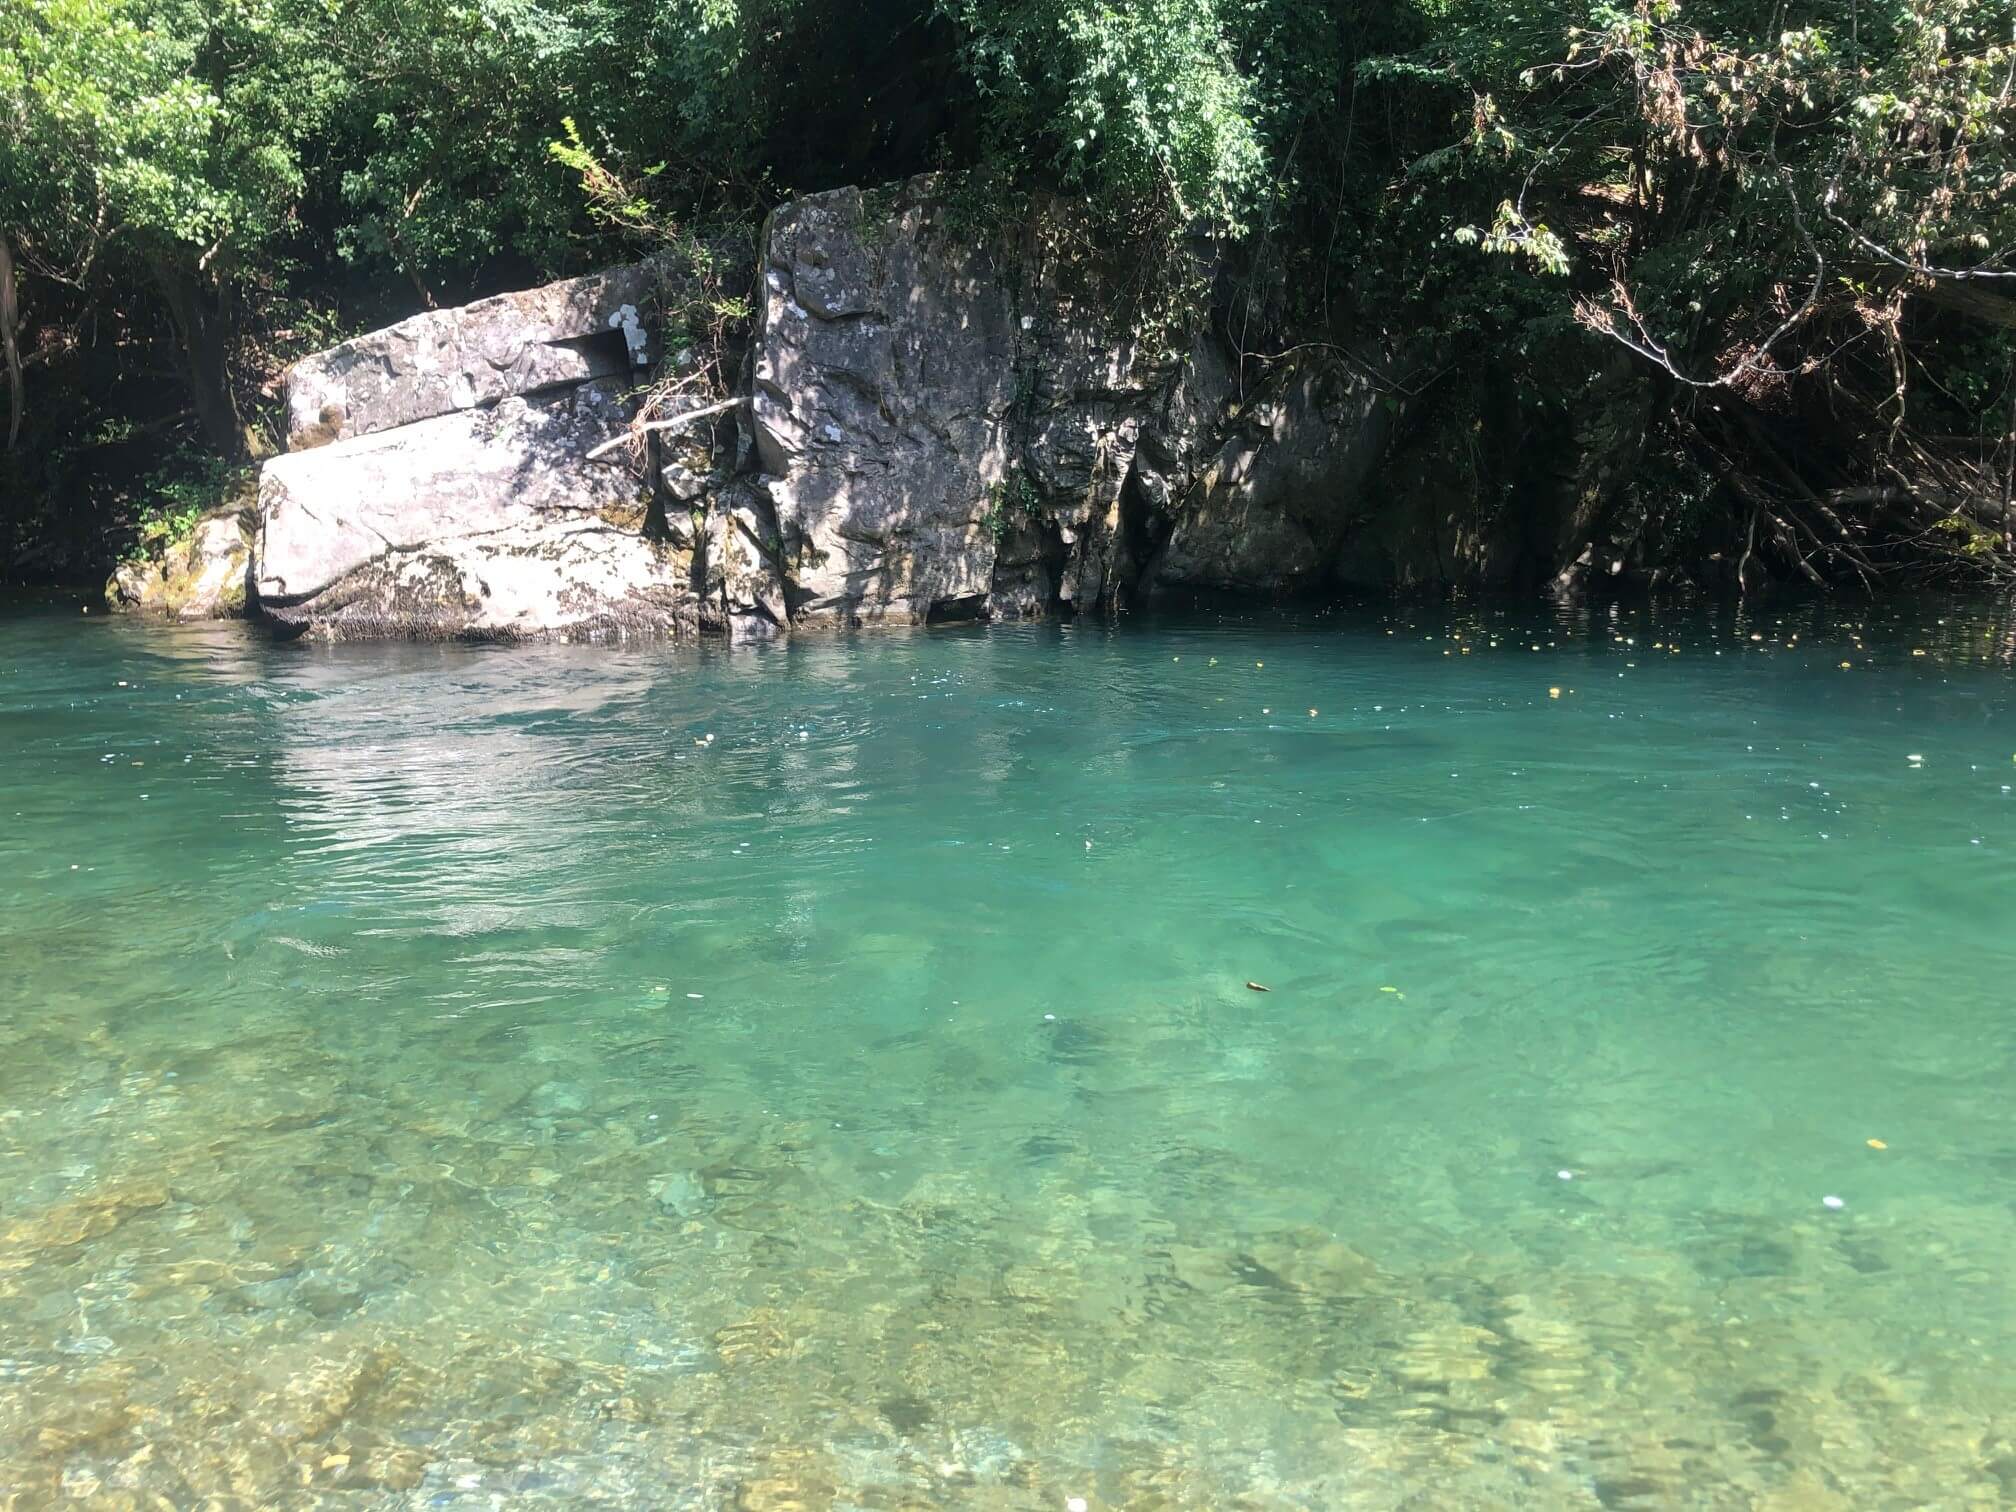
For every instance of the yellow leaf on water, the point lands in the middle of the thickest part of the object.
(1877, 1144)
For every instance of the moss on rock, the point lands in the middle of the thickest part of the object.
(200, 577)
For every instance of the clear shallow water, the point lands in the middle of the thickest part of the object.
(441, 1077)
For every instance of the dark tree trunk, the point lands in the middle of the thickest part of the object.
(1967, 298)
(9, 322)
(203, 322)
(14, 495)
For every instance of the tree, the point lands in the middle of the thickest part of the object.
(148, 135)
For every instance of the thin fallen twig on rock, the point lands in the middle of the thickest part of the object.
(672, 423)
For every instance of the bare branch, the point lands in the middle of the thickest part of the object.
(635, 431)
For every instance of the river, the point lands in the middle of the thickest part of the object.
(836, 1075)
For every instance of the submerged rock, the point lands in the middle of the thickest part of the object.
(201, 577)
(33, 1236)
(680, 1193)
(557, 1100)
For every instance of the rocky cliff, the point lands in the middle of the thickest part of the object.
(954, 425)
(933, 422)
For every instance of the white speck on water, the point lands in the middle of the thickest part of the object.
(694, 995)
(1565, 1175)
(1832, 1203)
(1075, 1504)
(1049, 1018)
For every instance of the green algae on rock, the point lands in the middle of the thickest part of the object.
(205, 575)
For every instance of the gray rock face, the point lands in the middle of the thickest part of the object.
(736, 560)
(490, 523)
(449, 360)
(1285, 492)
(200, 578)
(883, 375)
(950, 425)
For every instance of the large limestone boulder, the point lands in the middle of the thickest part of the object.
(448, 360)
(883, 373)
(201, 577)
(951, 423)
(490, 523)
(946, 420)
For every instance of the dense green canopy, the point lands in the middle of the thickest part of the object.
(1774, 213)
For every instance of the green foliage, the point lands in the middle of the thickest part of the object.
(169, 500)
(172, 124)
(1010, 503)
(1812, 210)
(1142, 102)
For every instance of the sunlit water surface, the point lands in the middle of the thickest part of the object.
(829, 1076)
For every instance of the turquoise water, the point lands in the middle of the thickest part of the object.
(826, 1076)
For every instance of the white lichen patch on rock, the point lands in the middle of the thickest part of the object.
(635, 340)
